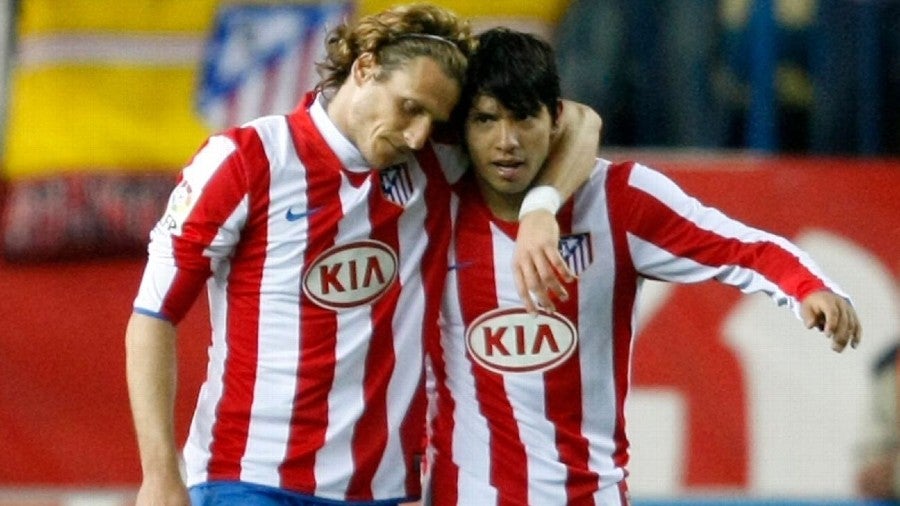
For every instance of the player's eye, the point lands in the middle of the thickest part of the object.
(481, 118)
(412, 108)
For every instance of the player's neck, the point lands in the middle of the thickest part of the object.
(337, 109)
(504, 206)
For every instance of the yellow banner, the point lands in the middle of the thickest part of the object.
(53, 16)
(105, 85)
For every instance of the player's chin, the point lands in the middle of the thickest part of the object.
(511, 187)
(387, 157)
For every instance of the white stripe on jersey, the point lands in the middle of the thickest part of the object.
(596, 312)
(353, 330)
(279, 318)
(467, 416)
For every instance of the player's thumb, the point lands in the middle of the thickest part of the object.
(808, 315)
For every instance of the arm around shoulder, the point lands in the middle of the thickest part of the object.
(573, 151)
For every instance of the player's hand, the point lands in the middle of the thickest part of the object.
(833, 315)
(162, 492)
(539, 269)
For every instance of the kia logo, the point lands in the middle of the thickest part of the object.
(350, 275)
(512, 341)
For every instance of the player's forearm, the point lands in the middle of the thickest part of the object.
(573, 153)
(151, 372)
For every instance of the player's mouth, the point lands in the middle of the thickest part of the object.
(507, 168)
(398, 152)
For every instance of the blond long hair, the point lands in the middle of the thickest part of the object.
(395, 36)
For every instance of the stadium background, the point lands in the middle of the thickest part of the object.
(103, 102)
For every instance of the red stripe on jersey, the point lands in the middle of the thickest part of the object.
(473, 247)
(229, 432)
(438, 225)
(371, 432)
(318, 326)
(624, 496)
(683, 238)
(624, 294)
(444, 470)
(182, 293)
(573, 447)
(413, 440)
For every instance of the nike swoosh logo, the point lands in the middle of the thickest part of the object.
(457, 266)
(292, 216)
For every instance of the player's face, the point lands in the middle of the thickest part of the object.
(392, 116)
(507, 152)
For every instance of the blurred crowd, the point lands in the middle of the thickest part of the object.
(794, 76)
(800, 76)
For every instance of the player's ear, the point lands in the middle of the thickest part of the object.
(556, 124)
(364, 68)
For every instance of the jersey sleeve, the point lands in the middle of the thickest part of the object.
(674, 237)
(197, 232)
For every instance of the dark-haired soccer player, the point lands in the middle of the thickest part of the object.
(529, 410)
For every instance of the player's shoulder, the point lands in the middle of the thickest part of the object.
(272, 126)
(255, 133)
(621, 178)
(607, 172)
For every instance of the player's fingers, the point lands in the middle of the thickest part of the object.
(831, 314)
(855, 328)
(559, 265)
(535, 292)
(522, 288)
(810, 317)
(549, 277)
(840, 326)
(540, 281)
(540, 291)
(833, 329)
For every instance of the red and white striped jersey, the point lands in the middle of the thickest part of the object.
(529, 410)
(319, 303)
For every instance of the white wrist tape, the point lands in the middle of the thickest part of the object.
(540, 197)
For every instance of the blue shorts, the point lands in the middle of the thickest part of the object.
(238, 493)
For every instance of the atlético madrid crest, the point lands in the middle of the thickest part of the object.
(261, 57)
(576, 250)
(396, 184)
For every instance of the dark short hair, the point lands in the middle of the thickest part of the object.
(517, 69)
